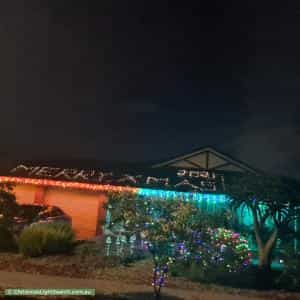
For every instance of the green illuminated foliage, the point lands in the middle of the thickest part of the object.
(273, 203)
(161, 223)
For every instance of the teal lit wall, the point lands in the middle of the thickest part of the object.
(215, 203)
(208, 202)
(205, 201)
(211, 203)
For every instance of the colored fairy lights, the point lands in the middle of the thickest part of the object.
(166, 194)
(216, 247)
(64, 184)
(206, 201)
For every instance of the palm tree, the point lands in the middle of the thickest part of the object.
(274, 202)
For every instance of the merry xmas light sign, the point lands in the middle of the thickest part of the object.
(187, 180)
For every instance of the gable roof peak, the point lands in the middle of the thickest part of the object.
(207, 158)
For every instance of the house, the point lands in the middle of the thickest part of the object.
(81, 193)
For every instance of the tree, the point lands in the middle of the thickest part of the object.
(8, 205)
(273, 203)
(11, 212)
(161, 224)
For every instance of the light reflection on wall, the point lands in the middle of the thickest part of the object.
(211, 203)
(208, 202)
(205, 201)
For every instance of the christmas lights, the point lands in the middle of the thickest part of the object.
(201, 198)
(64, 184)
(166, 194)
(195, 181)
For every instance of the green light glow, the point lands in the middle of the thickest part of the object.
(205, 201)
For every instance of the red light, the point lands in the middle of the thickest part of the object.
(63, 184)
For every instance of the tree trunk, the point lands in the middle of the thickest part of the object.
(265, 251)
(157, 295)
(264, 257)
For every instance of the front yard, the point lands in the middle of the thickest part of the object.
(137, 275)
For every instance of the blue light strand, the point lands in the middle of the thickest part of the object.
(213, 199)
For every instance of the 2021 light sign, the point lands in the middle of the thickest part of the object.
(196, 174)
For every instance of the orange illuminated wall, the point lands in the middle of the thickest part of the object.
(85, 208)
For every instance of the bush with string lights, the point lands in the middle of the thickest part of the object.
(170, 231)
(211, 253)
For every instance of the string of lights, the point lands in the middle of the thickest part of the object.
(64, 184)
(212, 199)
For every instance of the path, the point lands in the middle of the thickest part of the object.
(105, 287)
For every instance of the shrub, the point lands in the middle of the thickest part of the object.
(213, 255)
(46, 239)
(7, 241)
(129, 259)
(290, 277)
(59, 238)
(88, 248)
(217, 249)
(31, 241)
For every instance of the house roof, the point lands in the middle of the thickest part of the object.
(207, 158)
(202, 170)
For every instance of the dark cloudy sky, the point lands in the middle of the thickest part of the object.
(145, 80)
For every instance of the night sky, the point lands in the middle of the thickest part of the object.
(146, 80)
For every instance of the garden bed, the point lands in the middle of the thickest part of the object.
(93, 267)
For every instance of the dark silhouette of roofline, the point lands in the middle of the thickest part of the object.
(74, 162)
(213, 150)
